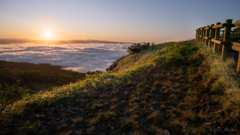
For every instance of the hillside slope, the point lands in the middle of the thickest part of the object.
(36, 77)
(178, 86)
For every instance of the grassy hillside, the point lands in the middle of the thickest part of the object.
(36, 77)
(178, 86)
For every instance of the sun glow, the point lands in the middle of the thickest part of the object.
(48, 35)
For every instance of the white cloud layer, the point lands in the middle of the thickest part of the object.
(76, 57)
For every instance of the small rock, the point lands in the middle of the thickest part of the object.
(208, 123)
(166, 132)
(112, 127)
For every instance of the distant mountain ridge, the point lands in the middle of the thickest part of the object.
(23, 40)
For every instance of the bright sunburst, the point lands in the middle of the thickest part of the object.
(48, 35)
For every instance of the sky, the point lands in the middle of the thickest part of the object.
(112, 20)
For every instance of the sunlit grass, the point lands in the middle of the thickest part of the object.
(225, 80)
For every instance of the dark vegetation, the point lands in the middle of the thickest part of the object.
(177, 86)
(138, 47)
(18, 80)
(36, 77)
(9, 94)
(235, 34)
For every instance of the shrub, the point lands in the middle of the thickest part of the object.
(138, 47)
(9, 94)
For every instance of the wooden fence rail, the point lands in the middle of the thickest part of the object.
(211, 34)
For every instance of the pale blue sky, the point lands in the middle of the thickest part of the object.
(116, 20)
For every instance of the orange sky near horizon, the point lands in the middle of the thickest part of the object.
(63, 32)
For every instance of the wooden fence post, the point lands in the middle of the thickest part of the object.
(211, 35)
(206, 36)
(203, 34)
(238, 65)
(236, 47)
(226, 39)
(216, 37)
(200, 34)
(196, 33)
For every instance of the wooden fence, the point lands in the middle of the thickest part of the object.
(211, 35)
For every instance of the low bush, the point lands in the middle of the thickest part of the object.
(138, 47)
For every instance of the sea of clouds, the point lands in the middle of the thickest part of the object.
(77, 57)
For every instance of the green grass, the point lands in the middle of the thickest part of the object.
(178, 86)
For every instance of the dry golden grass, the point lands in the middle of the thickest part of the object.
(97, 105)
(113, 107)
(129, 111)
(154, 115)
(62, 126)
(93, 121)
(163, 106)
(78, 120)
(156, 130)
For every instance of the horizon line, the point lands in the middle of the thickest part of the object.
(29, 40)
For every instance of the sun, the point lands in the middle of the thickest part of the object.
(47, 34)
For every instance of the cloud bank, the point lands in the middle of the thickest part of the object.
(77, 57)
